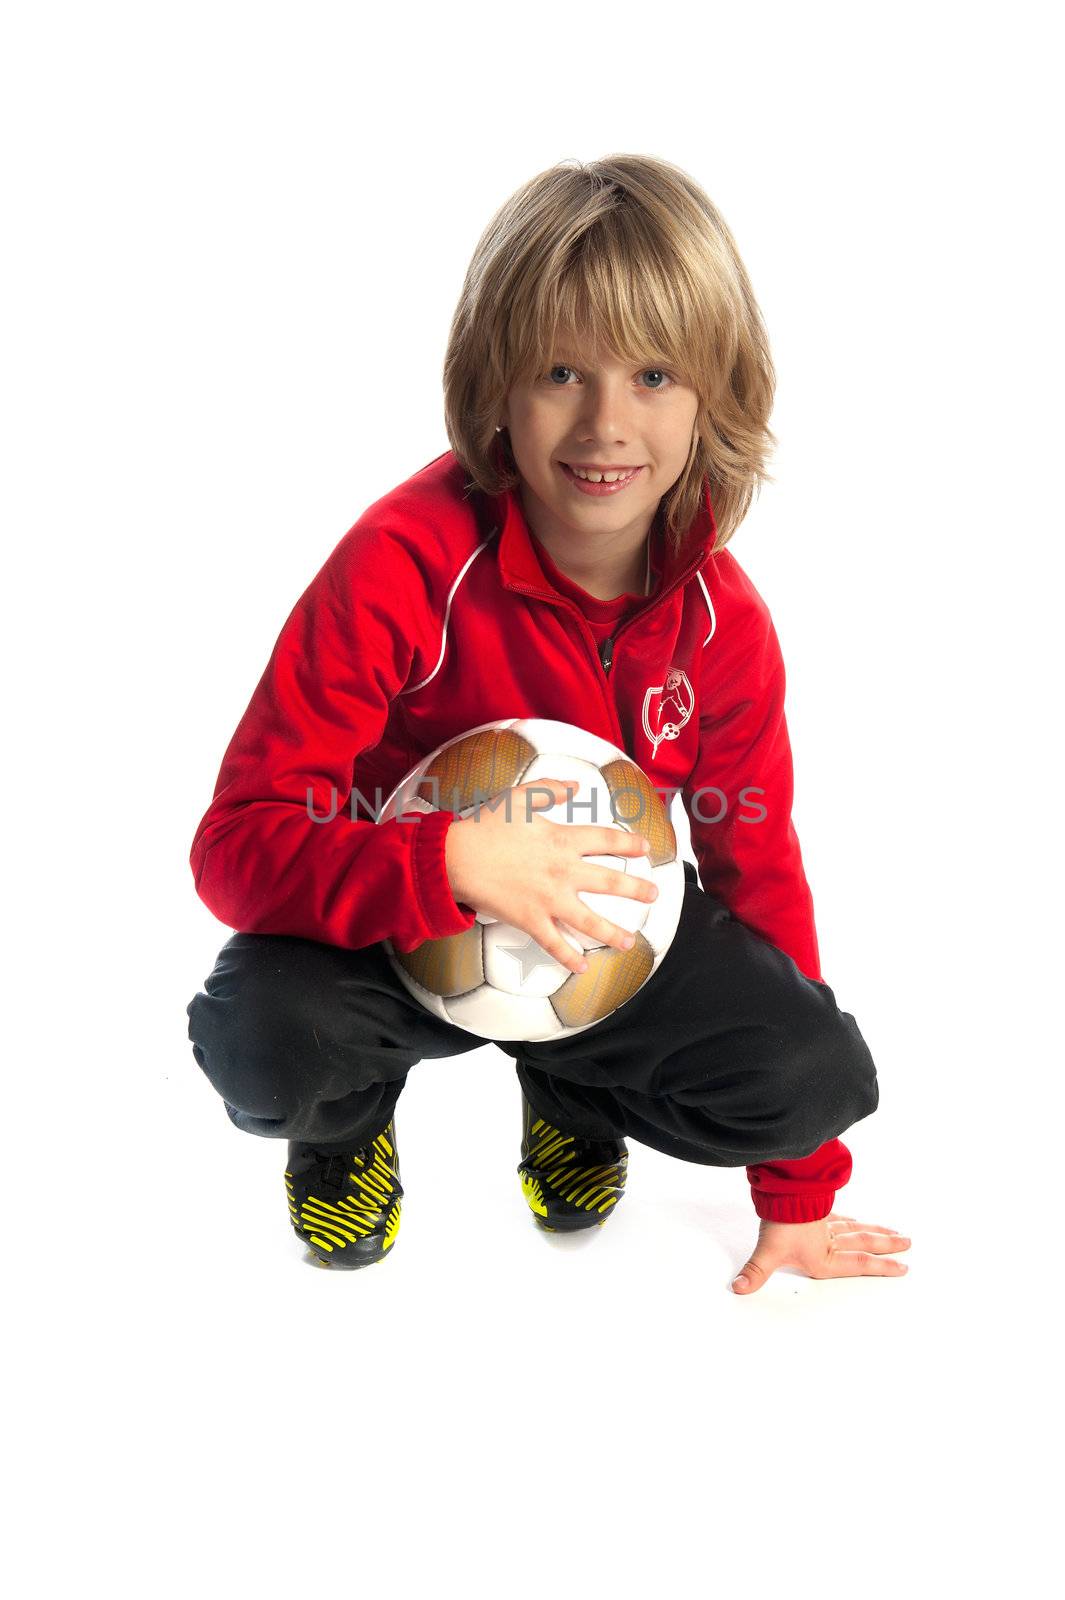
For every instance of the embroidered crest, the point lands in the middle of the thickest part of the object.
(666, 715)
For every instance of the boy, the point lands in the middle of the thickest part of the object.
(565, 559)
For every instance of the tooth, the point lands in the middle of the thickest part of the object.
(602, 477)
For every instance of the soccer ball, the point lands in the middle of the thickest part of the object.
(497, 980)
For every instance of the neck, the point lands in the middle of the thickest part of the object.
(603, 573)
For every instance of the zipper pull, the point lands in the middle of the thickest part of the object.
(606, 653)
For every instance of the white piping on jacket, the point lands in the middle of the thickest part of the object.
(447, 614)
(710, 608)
(462, 573)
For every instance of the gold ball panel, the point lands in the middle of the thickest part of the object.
(642, 811)
(447, 967)
(484, 764)
(613, 977)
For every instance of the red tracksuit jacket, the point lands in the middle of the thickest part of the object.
(434, 614)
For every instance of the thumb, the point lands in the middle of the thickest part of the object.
(753, 1275)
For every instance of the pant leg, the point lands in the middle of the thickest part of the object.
(727, 1056)
(311, 1042)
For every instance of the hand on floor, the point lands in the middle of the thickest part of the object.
(832, 1247)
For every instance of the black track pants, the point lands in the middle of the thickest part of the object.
(728, 1055)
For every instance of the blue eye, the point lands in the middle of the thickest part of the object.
(561, 367)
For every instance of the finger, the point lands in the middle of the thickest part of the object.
(861, 1264)
(608, 880)
(867, 1227)
(553, 942)
(870, 1227)
(601, 929)
(592, 841)
(871, 1240)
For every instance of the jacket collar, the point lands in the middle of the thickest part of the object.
(520, 567)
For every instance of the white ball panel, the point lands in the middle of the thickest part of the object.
(588, 806)
(543, 733)
(616, 908)
(412, 803)
(516, 964)
(495, 1015)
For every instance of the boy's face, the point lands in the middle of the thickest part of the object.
(595, 410)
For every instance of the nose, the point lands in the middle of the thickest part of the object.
(604, 412)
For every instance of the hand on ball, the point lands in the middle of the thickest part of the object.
(523, 869)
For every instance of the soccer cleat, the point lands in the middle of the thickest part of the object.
(569, 1183)
(345, 1205)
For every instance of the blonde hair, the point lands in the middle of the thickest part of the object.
(630, 252)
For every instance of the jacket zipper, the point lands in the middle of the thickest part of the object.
(606, 649)
(604, 653)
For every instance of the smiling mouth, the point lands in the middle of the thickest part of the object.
(599, 488)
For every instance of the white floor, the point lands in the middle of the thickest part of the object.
(237, 237)
(498, 1409)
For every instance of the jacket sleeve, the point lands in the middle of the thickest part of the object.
(261, 861)
(739, 801)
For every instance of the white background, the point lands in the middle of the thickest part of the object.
(235, 238)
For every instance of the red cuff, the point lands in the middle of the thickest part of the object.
(803, 1188)
(793, 1207)
(442, 914)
